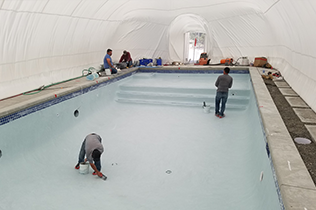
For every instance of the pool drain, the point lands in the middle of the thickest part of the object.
(76, 113)
(168, 172)
(300, 140)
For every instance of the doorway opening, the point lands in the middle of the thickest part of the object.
(194, 45)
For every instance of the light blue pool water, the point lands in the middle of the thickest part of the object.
(162, 151)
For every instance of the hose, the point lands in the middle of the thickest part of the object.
(31, 92)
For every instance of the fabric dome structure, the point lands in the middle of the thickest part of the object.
(44, 42)
(47, 41)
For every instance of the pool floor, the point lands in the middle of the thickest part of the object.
(156, 157)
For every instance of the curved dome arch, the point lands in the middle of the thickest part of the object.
(46, 41)
(181, 25)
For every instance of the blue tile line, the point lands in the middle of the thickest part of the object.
(181, 71)
(30, 110)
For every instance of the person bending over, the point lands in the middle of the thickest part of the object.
(223, 83)
(107, 62)
(126, 58)
(92, 148)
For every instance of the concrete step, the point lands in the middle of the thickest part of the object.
(182, 90)
(179, 97)
(179, 103)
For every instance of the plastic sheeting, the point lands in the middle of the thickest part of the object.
(43, 42)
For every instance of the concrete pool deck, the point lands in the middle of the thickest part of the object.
(297, 188)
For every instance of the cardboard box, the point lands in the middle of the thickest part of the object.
(260, 61)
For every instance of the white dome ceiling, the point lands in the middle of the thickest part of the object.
(46, 41)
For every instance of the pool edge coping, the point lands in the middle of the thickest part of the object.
(34, 100)
(295, 183)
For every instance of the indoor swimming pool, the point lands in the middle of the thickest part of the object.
(161, 149)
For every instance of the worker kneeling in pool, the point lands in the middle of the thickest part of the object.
(92, 148)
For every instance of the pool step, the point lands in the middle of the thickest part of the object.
(175, 103)
(179, 99)
(181, 90)
(153, 89)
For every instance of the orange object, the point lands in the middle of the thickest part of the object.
(203, 58)
(203, 61)
(227, 61)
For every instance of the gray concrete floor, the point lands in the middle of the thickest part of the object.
(302, 110)
(296, 186)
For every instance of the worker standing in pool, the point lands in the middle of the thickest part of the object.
(223, 83)
(92, 148)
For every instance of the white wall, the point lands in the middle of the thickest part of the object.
(294, 53)
(45, 41)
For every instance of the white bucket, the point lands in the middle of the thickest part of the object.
(108, 72)
(244, 61)
(207, 108)
(84, 168)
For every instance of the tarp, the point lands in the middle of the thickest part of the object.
(44, 41)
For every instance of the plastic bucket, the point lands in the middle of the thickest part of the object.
(107, 72)
(142, 62)
(207, 108)
(159, 62)
(84, 168)
(244, 61)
